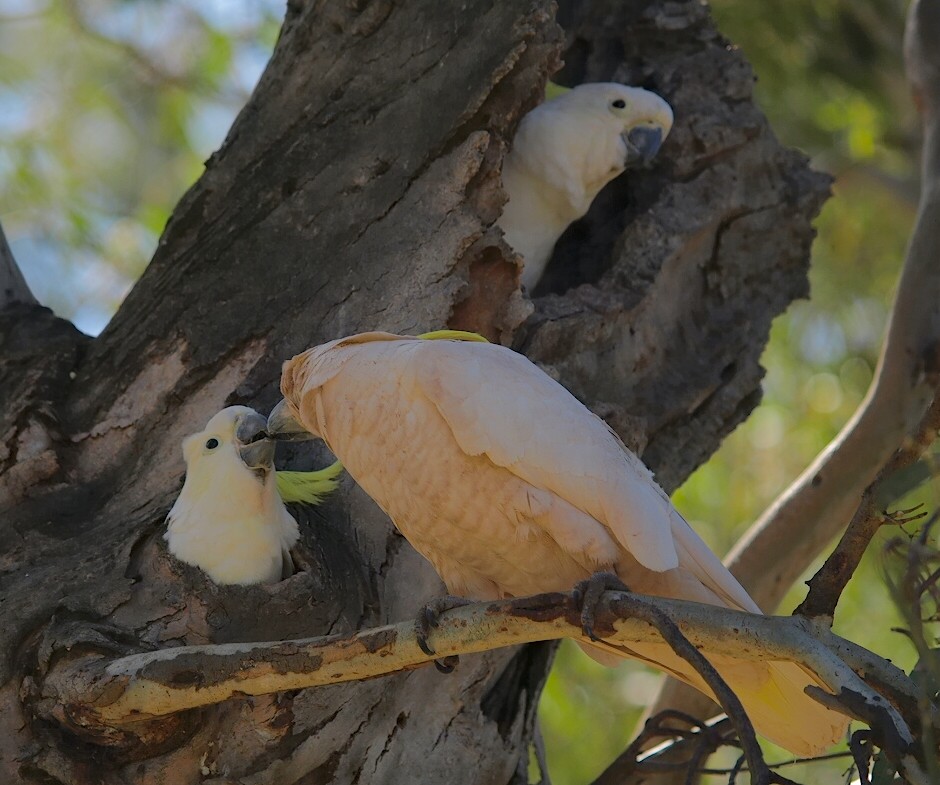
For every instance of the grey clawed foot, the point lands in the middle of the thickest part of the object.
(588, 593)
(428, 618)
(448, 664)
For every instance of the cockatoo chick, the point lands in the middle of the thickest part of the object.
(229, 519)
(564, 152)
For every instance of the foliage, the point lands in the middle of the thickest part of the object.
(107, 110)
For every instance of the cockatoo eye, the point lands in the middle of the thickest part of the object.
(619, 104)
(211, 444)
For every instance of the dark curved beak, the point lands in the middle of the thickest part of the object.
(254, 447)
(642, 145)
(283, 426)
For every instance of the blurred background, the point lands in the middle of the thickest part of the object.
(109, 107)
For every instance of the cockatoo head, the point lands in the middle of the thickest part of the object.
(229, 519)
(607, 110)
(233, 441)
(565, 151)
(646, 118)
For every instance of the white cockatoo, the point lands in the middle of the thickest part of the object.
(509, 486)
(567, 149)
(230, 520)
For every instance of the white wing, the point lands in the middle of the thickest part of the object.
(498, 403)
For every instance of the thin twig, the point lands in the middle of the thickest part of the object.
(638, 608)
(632, 759)
(735, 770)
(860, 747)
(910, 593)
(676, 752)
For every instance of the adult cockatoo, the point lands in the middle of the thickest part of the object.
(230, 520)
(567, 149)
(509, 486)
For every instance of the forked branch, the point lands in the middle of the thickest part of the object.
(827, 585)
(821, 502)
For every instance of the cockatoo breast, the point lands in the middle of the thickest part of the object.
(231, 522)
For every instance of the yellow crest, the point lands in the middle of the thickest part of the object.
(452, 335)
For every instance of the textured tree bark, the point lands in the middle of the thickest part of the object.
(13, 288)
(357, 191)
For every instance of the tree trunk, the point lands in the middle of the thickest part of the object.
(357, 191)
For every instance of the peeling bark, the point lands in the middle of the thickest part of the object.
(357, 190)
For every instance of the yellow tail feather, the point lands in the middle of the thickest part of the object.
(772, 692)
(452, 335)
(308, 487)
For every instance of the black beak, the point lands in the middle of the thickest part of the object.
(642, 145)
(254, 446)
(283, 426)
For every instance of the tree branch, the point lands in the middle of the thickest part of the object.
(639, 608)
(827, 585)
(687, 749)
(13, 286)
(889, 681)
(685, 754)
(92, 693)
(821, 502)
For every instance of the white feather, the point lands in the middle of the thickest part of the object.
(229, 520)
(509, 486)
(565, 150)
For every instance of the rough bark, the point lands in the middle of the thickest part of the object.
(357, 190)
(13, 287)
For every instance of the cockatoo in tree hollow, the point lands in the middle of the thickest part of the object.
(509, 486)
(230, 520)
(567, 149)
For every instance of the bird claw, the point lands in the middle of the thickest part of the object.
(448, 664)
(588, 593)
(427, 618)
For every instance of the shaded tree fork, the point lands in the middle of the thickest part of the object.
(342, 203)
